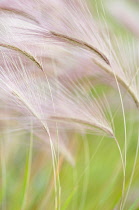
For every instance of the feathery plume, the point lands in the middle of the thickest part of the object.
(68, 24)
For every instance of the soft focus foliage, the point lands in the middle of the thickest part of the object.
(69, 105)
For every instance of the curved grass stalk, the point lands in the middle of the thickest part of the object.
(18, 12)
(27, 172)
(44, 125)
(107, 68)
(58, 165)
(55, 161)
(83, 122)
(132, 174)
(124, 170)
(28, 55)
(51, 184)
(81, 44)
(125, 137)
(86, 177)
